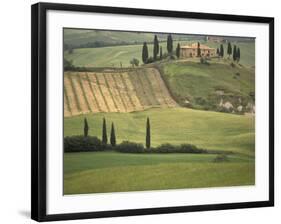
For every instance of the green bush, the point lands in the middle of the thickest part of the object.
(183, 148)
(83, 144)
(132, 147)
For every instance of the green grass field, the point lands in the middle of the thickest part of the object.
(210, 130)
(112, 56)
(100, 172)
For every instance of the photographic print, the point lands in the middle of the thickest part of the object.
(157, 111)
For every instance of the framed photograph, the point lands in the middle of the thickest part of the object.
(140, 111)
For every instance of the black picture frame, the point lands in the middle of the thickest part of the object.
(39, 116)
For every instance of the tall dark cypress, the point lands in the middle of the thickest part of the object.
(170, 44)
(178, 50)
(155, 47)
(198, 50)
(161, 55)
(112, 135)
(104, 134)
(147, 140)
(229, 49)
(238, 54)
(234, 53)
(144, 53)
(86, 127)
(221, 51)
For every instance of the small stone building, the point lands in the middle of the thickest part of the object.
(188, 51)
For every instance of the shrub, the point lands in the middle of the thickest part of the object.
(188, 148)
(82, 144)
(183, 148)
(220, 158)
(166, 148)
(149, 60)
(132, 147)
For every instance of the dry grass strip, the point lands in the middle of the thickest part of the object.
(132, 92)
(123, 91)
(98, 93)
(74, 108)
(112, 92)
(66, 106)
(91, 99)
(107, 96)
(79, 93)
(115, 92)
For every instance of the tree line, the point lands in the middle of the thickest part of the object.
(104, 139)
(233, 52)
(86, 143)
(157, 52)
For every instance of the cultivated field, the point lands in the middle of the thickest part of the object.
(116, 172)
(206, 129)
(126, 91)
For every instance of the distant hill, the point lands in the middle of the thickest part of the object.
(81, 37)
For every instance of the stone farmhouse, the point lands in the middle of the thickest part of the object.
(188, 51)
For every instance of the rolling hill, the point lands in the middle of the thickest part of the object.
(114, 55)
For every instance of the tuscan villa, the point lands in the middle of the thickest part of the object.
(192, 50)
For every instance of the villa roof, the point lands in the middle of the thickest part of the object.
(195, 45)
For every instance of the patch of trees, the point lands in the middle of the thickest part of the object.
(157, 52)
(68, 65)
(134, 62)
(233, 52)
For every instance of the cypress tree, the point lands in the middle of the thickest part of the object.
(112, 135)
(147, 140)
(238, 54)
(221, 51)
(178, 50)
(155, 47)
(198, 50)
(234, 53)
(170, 44)
(161, 56)
(229, 49)
(218, 51)
(144, 53)
(86, 128)
(104, 134)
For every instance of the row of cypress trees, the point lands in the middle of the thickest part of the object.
(112, 133)
(235, 52)
(157, 49)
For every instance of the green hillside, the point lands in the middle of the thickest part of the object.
(204, 86)
(210, 130)
(112, 56)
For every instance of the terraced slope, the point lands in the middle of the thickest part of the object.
(127, 91)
